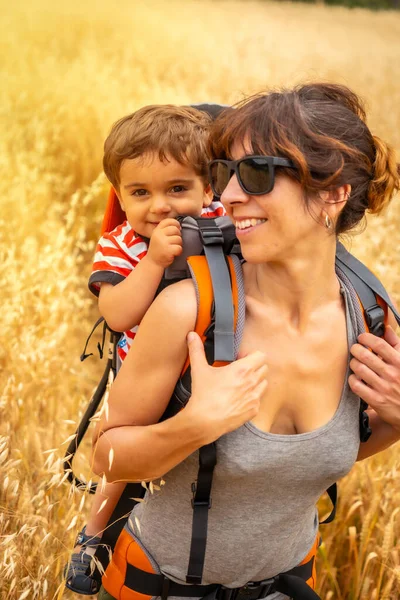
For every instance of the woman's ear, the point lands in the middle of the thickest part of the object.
(342, 194)
(334, 201)
(337, 196)
(208, 196)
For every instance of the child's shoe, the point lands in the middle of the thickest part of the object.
(77, 572)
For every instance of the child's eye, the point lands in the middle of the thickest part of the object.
(140, 192)
(178, 188)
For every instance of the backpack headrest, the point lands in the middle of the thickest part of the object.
(193, 245)
(114, 215)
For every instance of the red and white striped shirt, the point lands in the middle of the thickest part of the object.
(117, 254)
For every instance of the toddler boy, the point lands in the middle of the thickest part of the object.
(156, 160)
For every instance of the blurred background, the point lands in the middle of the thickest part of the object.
(68, 71)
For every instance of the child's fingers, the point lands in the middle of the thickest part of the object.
(175, 240)
(172, 230)
(176, 250)
(168, 222)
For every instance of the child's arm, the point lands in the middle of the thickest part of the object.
(124, 305)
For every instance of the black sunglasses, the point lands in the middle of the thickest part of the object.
(255, 174)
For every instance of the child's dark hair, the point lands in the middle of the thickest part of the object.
(178, 132)
(321, 128)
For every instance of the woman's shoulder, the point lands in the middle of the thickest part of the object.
(176, 304)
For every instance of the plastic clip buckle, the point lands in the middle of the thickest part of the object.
(199, 502)
(365, 429)
(255, 590)
(225, 593)
(375, 318)
(212, 236)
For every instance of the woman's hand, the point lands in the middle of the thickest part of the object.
(376, 376)
(223, 398)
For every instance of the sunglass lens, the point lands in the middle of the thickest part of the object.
(219, 177)
(255, 175)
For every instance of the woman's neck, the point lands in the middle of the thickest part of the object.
(298, 287)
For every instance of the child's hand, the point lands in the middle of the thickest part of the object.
(165, 243)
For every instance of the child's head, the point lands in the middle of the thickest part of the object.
(156, 159)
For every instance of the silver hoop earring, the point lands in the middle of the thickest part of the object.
(328, 222)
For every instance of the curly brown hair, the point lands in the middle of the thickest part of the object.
(180, 132)
(321, 128)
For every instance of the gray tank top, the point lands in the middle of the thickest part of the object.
(263, 518)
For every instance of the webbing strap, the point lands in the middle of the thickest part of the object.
(332, 493)
(84, 356)
(363, 280)
(151, 584)
(213, 241)
(367, 287)
(201, 504)
(293, 583)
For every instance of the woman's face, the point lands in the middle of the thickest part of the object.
(280, 223)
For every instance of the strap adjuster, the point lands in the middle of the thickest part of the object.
(375, 318)
(250, 591)
(211, 236)
(199, 502)
(365, 429)
(264, 587)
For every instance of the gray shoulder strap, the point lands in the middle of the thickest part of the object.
(366, 284)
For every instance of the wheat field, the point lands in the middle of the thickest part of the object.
(68, 71)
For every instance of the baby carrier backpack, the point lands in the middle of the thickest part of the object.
(211, 257)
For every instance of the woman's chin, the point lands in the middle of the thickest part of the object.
(255, 255)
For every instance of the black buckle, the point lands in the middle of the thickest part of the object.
(211, 236)
(375, 318)
(365, 429)
(199, 502)
(263, 587)
(250, 591)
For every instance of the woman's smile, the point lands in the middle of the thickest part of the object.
(246, 226)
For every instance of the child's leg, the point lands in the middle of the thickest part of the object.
(76, 572)
(102, 508)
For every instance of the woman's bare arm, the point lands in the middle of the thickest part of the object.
(129, 443)
(142, 389)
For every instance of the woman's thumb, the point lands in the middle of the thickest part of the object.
(196, 350)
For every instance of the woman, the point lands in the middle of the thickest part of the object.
(285, 414)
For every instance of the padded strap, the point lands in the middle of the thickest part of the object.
(213, 241)
(364, 281)
(374, 301)
(202, 280)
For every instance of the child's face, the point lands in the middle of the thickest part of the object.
(151, 190)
